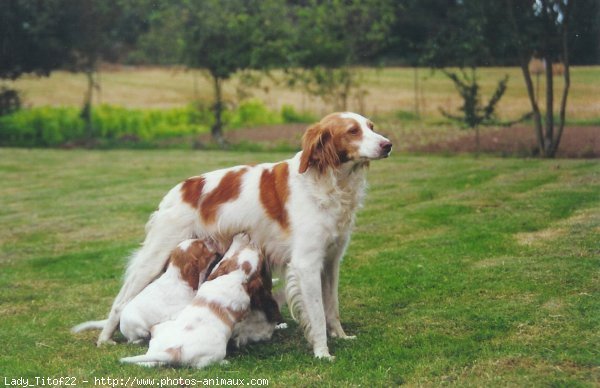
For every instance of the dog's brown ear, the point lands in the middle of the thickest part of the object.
(318, 149)
(253, 289)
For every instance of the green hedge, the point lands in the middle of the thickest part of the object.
(56, 126)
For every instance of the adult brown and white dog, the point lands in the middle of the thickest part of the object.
(198, 336)
(299, 211)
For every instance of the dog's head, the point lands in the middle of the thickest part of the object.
(193, 258)
(342, 138)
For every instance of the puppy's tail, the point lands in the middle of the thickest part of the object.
(89, 325)
(149, 360)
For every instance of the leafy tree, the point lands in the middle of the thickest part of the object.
(459, 39)
(30, 42)
(331, 37)
(541, 28)
(224, 37)
(584, 33)
(160, 33)
(93, 34)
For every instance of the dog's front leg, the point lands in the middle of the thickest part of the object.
(330, 299)
(330, 282)
(304, 293)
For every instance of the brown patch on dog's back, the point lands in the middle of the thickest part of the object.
(193, 262)
(274, 192)
(191, 190)
(229, 189)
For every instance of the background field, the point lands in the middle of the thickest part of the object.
(389, 90)
(461, 271)
(171, 108)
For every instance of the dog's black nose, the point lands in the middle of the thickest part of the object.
(386, 147)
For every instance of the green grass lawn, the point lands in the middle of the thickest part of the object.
(461, 271)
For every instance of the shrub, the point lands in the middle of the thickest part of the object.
(43, 126)
(55, 126)
(289, 115)
(251, 113)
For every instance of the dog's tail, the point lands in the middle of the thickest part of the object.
(89, 325)
(149, 360)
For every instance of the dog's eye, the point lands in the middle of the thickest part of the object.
(354, 130)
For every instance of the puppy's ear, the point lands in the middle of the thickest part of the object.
(318, 149)
(270, 307)
(265, 274)
(254, 288)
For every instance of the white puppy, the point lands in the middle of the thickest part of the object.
(164, 298)
(198, 336)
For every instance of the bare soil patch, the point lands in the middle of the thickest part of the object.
(577, 142)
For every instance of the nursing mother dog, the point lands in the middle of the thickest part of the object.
(299, 212)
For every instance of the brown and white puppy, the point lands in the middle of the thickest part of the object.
(164, 298)
(264, 317)
(198, 336)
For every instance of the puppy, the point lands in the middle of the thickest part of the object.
(198, 336)
(164, 298)
(264, 317)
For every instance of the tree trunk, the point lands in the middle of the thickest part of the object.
(217, 128)
(86, 111)
(537, 87)
(416, 79)
(567, 78)
(524, 63)
(537, 116)
(549, 135)
(477, 142)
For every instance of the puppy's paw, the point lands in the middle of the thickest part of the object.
(281, 326)
(102, 342)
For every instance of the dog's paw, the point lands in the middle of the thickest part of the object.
(327, 357)
(339, 333)
(323, 354)
(281, 326)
